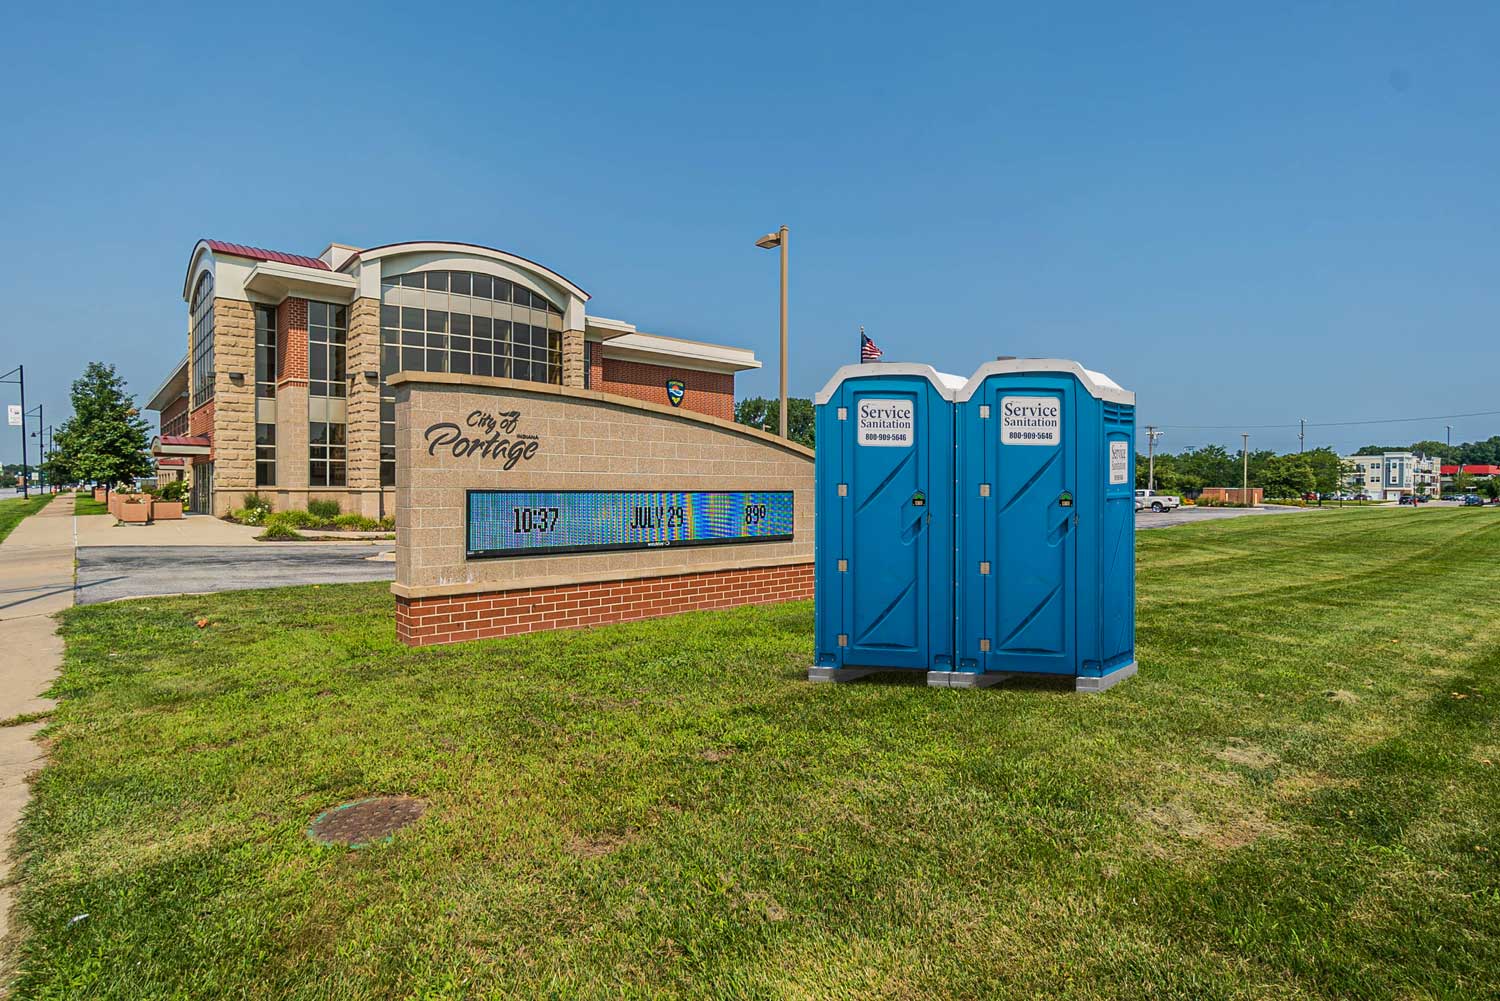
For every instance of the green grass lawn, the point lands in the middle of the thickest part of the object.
(1296, 798)
(17, 508)
(84, 503)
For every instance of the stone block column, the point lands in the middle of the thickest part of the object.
(291, 400)
(572, 358)
(234, 403)
(362, 354)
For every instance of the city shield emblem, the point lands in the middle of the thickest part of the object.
(676, 390)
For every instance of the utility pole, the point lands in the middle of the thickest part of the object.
(20, 378)
(1302, 435)
(1245, 483)
(1459, 466)
(1151, 435)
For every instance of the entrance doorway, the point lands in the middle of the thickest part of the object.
(201, 499)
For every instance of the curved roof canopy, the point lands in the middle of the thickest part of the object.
(442, 246)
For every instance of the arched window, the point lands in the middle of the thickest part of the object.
(203, 340)
(463, 322)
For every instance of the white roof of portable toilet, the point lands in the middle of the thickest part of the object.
(1099, 385)
(946, 384)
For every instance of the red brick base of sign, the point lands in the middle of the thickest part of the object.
(459, 617)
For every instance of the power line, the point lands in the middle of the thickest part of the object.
(1323, 424)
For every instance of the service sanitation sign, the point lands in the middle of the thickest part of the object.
(886, 422)
(1119, 462)
(1030, 420)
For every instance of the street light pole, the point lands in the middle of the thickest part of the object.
(771, 241)
(41, 444)
(20, 377)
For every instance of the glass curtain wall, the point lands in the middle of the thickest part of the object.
(265, 389)
(203, 340)
(463, 322)
(327, 331)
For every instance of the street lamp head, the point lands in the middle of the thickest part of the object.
(769, 242)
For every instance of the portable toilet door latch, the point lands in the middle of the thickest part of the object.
(1065, 499)
(919, 499)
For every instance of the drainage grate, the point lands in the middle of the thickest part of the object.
(365, 821)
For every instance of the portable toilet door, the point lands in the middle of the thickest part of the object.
(1034, 510)
(884, 521)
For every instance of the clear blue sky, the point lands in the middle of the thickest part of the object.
(1247, 216)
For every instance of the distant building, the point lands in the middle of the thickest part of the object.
(1392, 475)
(1476, 470)
(283, 390)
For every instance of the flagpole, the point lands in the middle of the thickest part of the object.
(861, 344)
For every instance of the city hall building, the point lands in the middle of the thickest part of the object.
(283, 389)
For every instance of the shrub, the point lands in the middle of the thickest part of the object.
(249, 515)
(299, 519)
(176, 490)
(324, 510)
(281, 528)
(257, 502)
(356, 522)
(387, 524)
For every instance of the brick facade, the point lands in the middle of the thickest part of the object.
(201, 422)
(291, 342)
(456, 618)
(710, 393)
(174, 419)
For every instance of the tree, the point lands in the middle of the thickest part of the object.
(1462, 482)
(1490, 487)
(1285, 476)
(105, 440)
(1327, 467)
(759, 412)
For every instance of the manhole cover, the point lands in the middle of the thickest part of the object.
(365, 821)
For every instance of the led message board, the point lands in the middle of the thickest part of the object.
(540, 522)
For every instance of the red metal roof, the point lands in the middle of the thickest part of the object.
(177, 439)
(1476, 468)
(257, 254)
(169, 462)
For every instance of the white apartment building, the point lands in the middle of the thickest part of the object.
(1392, 475)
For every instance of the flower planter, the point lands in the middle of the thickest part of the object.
(134, 514)
(114, 504)
(99, 495)
(166, 510)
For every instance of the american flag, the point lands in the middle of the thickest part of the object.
(868, 351)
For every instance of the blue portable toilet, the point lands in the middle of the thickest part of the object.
(884, 521)
(1045, 569)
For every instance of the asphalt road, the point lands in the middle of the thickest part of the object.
(107, 573)
(1194, 515)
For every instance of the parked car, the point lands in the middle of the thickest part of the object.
(1155, 501)
(1472, 500)
(1407, 500)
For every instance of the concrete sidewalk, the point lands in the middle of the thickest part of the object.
(36, 582)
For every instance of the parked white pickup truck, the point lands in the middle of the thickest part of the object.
(1155, 501)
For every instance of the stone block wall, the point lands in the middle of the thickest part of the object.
(572, 358)
(234, 403)
(583, 439)
(362, 354)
